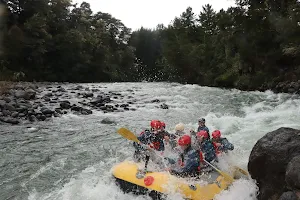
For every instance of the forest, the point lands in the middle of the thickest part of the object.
(252, 45)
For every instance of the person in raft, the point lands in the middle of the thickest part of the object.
(153, 138)
(188, 161)
(201, 127)
(205, 150)
(179, 128)
(221, 144)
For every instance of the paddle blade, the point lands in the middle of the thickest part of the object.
(128, 134)
(226, 176)
(239, 173)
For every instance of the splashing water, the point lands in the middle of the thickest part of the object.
(71, 157)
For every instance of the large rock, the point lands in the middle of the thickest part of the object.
(292, 175)
(25, 94)
(269, 159)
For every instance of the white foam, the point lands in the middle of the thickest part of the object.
(242, 117)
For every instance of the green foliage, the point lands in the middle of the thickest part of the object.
(248, 46)
(54, 40)
(254, 44)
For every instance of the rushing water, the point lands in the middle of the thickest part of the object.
(70, 158)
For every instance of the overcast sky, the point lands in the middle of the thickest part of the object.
(149, 13)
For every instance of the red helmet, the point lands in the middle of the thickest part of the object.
(184, 140)
(155, 124)
(216, 134)
(163, 124)
(202, 134)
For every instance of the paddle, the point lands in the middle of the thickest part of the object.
(224, 174)
(128, 134)
(238, 171)
(131, 136)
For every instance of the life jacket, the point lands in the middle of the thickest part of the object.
(201, 159)
(218, 152)
(181, 160)
(155, 145)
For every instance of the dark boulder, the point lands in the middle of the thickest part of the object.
(292, 175)
(269, 159)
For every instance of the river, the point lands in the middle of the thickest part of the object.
(70, 158)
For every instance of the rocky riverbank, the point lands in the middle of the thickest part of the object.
(283, 87)
(40, 102)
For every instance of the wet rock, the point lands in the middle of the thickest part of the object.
(288, 196)
(76, 108)
(6, 112)
(58, 94)
(155, 101)
(65, 105)
(108, 121)
(291, 90)
(95, 90)
(22, 109)
(56, 114)
(78, 87)
(164, 106)
(25, 94)
(22, 115)
(2, 103)
(84, 111)
(103, 107)
(41, 117)
(9, 120)
(100, 104)
(292, 175)
(46, 98)
(32, 118)
(48, 94)
(126, 108)
(62, 90)
(124, 105)
(269, 159)
(58, 110)
(46, 111)
(87, 95)
(83, 103)
(15, 114)
(7, 99)
(48, 115)
(31, 112)
(96, 101)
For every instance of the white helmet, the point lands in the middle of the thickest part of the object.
(179, 127)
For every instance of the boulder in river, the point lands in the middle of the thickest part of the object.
(269, 159)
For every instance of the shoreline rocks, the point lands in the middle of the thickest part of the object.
(28, 101)
(272, 160)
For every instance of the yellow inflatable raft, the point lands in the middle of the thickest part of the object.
(131, 179)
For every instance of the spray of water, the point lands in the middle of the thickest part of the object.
(82, 151)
